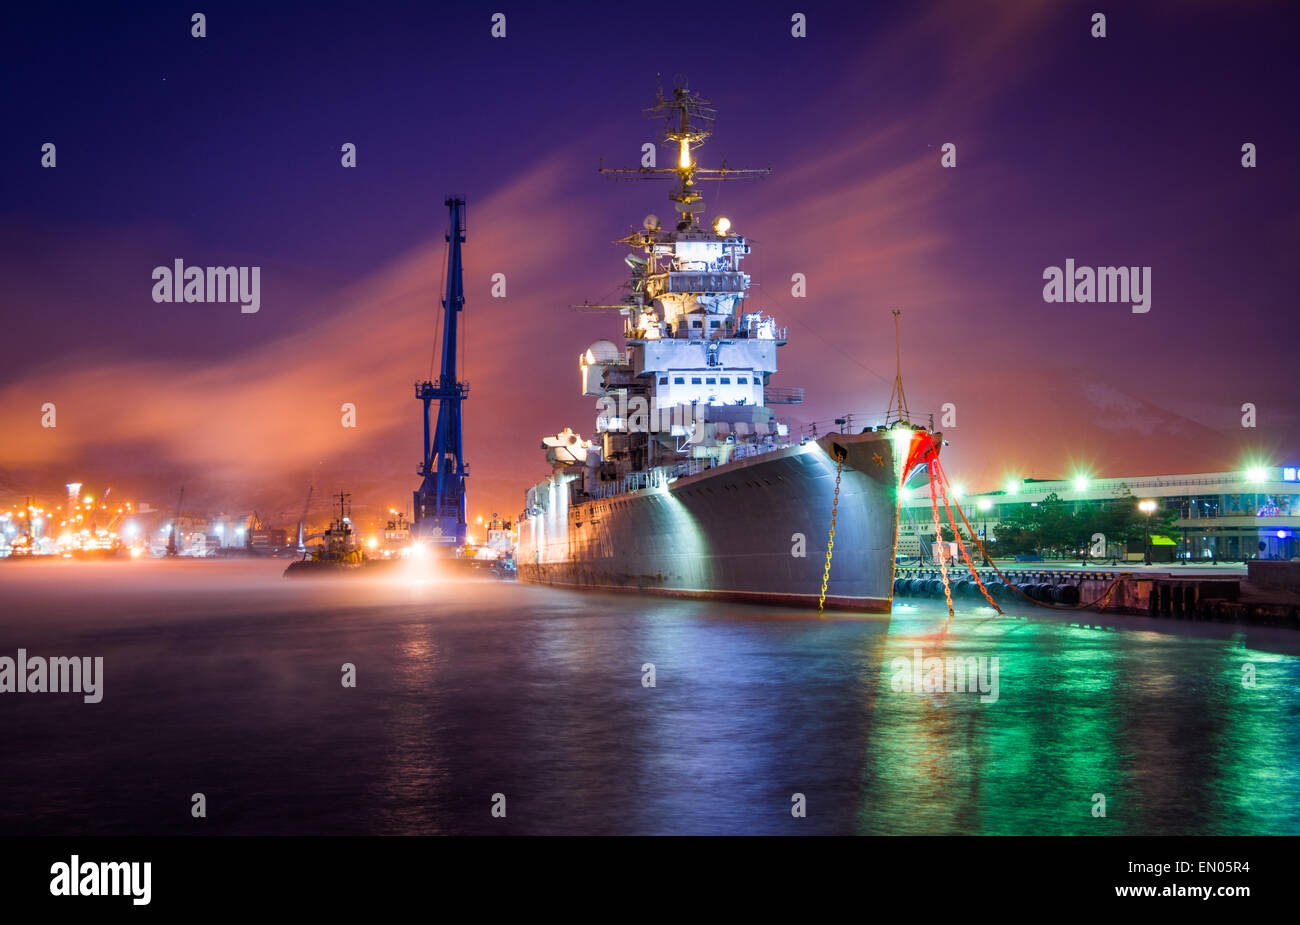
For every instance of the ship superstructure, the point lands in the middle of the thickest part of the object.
(691, 485)
(690, 381)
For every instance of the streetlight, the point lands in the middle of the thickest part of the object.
(1147, 507)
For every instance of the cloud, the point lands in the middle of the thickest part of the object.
(243, 425)
(864, 210)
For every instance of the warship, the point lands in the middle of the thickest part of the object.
(691, 485)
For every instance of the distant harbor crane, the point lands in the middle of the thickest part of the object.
(302, 521)
(172, 549)
(439, 516)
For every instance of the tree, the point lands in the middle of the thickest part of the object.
(1122, 522)
(1064, 528)
(1019, 530)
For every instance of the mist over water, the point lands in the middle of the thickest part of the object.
(223, 678)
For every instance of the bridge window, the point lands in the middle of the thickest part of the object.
(710, 381)
(679, 380)
(663, 380)
(695, 380)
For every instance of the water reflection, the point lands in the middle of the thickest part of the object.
(224, 678)
(1159, 724)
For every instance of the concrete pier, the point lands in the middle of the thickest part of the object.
(1217, 593)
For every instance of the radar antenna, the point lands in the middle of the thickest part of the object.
(688, 121)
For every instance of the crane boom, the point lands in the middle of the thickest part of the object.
(176, 518)
(440, 500)
(302, 521)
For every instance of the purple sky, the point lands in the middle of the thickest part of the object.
(225, 150)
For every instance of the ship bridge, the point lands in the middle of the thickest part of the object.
(693, 278)
(692, 378)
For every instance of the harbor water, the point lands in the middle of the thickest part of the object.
(222, 678)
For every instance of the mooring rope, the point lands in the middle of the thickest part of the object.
(943, 477)
(938, 536)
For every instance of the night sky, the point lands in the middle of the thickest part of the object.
(225, 150)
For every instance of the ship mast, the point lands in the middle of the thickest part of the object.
(896, 397)
(688, 121)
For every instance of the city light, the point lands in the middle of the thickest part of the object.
(417, 551)
(902, 438)
(1146, 507)
(1013, 486)
(985, 504)
(1080, 483)
(1257, 474)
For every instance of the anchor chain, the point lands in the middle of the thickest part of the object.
(830, 540)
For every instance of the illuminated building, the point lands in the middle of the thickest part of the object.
(1252, 513)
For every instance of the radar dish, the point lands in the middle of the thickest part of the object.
(602, 351)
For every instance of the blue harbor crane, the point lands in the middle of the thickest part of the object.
(440, 500)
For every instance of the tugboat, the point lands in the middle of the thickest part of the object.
(340, 549)
(497, 554)
(397, 535)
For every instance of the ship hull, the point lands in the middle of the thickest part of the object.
(752, 530)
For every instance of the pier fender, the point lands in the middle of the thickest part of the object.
(1066, 594)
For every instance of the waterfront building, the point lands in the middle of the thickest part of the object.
(1250, 514)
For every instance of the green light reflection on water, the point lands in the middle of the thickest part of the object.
(1160, 724)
